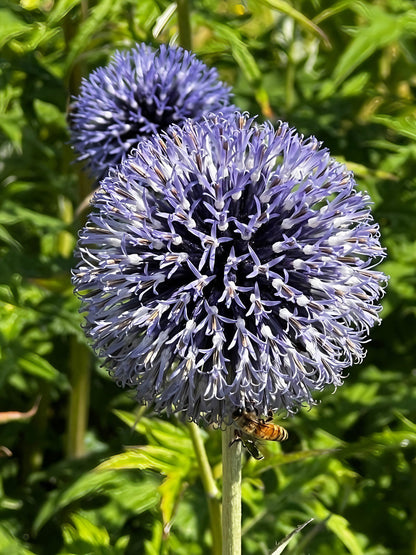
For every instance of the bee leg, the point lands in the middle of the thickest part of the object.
(269, 416)
(237, 437)
(252, 449)
(247, 444)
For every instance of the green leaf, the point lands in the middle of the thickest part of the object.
(161, 431)
(281, 546)
(383, 28)
(9, 239)
(38, 366)
(404, 125)
(11, 116)
(336, 8)
(170, 490)
(83, 529)
(340, 526)
(288, 9)
(355, 85)
(49, 114)
(36, 219)
(149, 457)
(60, 10)
(142, 495)
(10, 545)
(11, 26)
(239, 50)
(101, 14)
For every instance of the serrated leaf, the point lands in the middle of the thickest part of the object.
(149, 457)
(170, 490)
(164, 432)
(143, 495)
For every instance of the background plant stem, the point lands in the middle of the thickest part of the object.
(231, 494)
(80, 362)
(80, 356)
(184, 23)
(210, 487)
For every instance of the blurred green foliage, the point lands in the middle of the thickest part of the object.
(343, 71)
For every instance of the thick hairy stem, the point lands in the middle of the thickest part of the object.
(231, 494)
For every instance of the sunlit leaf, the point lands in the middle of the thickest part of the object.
(340, 527)
(382, 29)
(239, 50)
(283, 543)
(11, 26)
(85, 530)
(150, 457)
(170, 490)
(99, 16)
(163, 432)
(10, 544)
(288, 9)
(404, 125)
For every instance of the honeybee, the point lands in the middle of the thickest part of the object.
(252, 427)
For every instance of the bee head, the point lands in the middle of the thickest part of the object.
(238, 412)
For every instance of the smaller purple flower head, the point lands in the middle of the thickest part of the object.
(140, 92)
(229, 265)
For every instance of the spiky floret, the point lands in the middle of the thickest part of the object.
(140, 92)
(229, 264)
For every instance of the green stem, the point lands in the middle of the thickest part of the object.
(80, 371)
(210, 487)
(184, 23)
(290, 82)
(413, 507)
(231, 494)
(80, 356)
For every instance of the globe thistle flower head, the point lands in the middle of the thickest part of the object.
(227, 264)
(140, 92)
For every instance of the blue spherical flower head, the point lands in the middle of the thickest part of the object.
(141, 92)
(228, 264)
